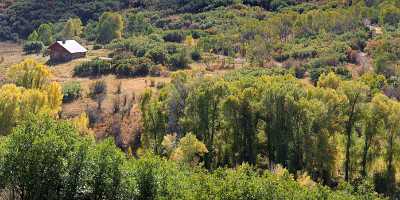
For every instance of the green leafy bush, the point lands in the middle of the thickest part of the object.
(179, 60)
(43, 156)
(133, 67)
(93, 68)
(195, 55)
(175, 36)
(304, 53)
(71, 91)
(97, 46)
(33, 47)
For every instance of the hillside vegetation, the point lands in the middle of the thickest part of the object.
(201, 99)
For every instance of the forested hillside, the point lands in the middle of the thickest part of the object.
(200, 99)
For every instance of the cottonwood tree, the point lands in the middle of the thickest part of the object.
(356, 93)
(110, 27)
(73, 27)
(34, 36)
(241, 121)
(154, 121)
(373, 126)
(202, 112)
(32, 93)
(45, 32)
(278, 108)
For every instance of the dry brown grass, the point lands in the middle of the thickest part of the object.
(129, 86)
(12, 53)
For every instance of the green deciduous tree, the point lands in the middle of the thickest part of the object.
(45, 32)
(356, 94)
(73, 27)
(202, 112)
(390, 14)
(34, 36)
(154, 121)
(110, 27)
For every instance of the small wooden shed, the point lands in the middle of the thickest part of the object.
(66, 50)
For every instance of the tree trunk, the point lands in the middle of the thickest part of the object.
(390, 152)
(367, 142)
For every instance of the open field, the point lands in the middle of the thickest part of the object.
(11, 53)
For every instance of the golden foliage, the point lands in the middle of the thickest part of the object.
(306, 181)
(169, 143)
(34, 101)
(329, 80)
(189, 41)
(188, 150)
(10, 96)
(54, 97)
(29, 74)
(81, 123)
(31, 93)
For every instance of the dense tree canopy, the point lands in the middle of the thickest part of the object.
(271, 120)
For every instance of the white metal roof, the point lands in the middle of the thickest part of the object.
(72, 46)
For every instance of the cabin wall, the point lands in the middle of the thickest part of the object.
(59, 54)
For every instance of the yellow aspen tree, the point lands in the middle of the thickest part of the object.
(54, 97)
(34, 101)
(29, 74)
(10, 96)
(81, 123)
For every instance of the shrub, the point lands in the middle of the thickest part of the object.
(33, 47)
(97, 88)
(299, 71)
(133, 67)
(156, 70)
(390, 15)
(93, 68)
(179, 60)
(71, 91)
(43, 155)
(304, 53)
(196, 34)
(343, 72)
(315, 73)
(196, 56)
(175, 36)
(280, 57)
(331, 60)
(157, 55)
(97, 46)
